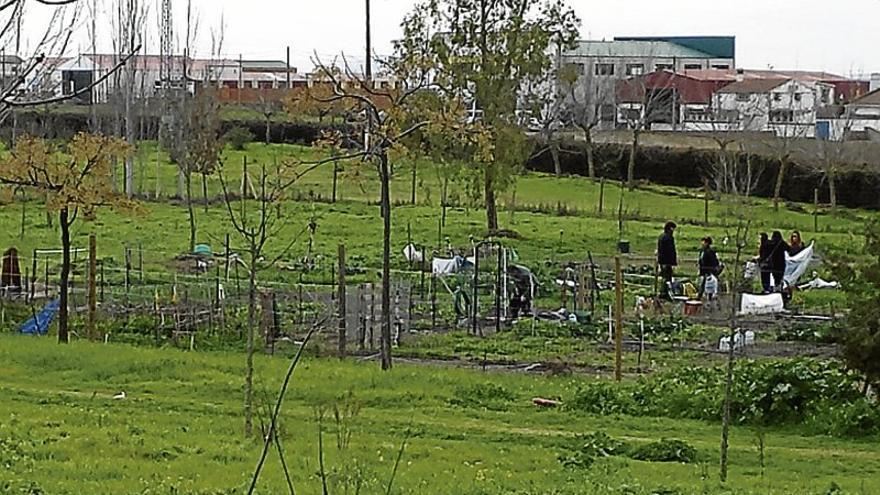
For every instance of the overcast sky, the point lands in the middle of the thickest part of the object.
(841, 36)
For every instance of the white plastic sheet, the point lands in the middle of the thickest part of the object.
(753, 304)
(412, 254)
(796, 266)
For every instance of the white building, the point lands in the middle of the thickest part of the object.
(787, 107)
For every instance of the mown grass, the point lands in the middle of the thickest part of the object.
(179, 431)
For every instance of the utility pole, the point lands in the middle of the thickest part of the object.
(288, 67)
(368, 77)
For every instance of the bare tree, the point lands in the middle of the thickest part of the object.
(647, 100)
(128, 19)
(257, 223)
(587, 104)
(391, 120)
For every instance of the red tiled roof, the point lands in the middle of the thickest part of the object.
(753, 86)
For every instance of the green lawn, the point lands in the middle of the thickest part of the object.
(179, 431)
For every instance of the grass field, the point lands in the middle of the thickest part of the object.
(179, 431)
(557, 218)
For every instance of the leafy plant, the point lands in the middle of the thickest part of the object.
(666, 450)
(238, 138)
(483, 396)
(591, 447)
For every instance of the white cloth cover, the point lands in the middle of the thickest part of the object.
(796, 266)
(753, 304)
(412, 254)
(443, 267)
(818, 283)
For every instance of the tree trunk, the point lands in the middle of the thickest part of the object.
(335, 180)
(491, 210)
(386, 264)
(268, 130)
(63, 316)
(181, 183)
(252, 321)
(412, 198)
(557, 165)
(631, 167)
(205, 190)
(444, 194)
(832, 189)
(591, 161)
(780, 177)
(192, 214)
(728, 385)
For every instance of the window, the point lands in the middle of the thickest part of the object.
(606, 112)
(826, 96)
(635, 69)
(659, 67)
(777, 97)
(743, 97)
(576, 68)
(797, 97)
(604, 69)
(782, 116)
(721, 66)
(693, 66)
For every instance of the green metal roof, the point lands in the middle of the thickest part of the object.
(715, 46)
(634, 48)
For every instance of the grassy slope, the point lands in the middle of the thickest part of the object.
(179, 427)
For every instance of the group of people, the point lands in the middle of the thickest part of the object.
(770, 258)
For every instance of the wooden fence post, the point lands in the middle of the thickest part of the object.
(706, 201)
(93, 290)
(618, 331)
(341, 301)
(601, 195)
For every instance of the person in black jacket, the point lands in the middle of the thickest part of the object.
(667, 257)
(778, 249)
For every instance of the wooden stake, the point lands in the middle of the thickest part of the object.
(93, 289)
(706, 201)
(341, 301)
(618, 331)
(815, 210)
(601, 195)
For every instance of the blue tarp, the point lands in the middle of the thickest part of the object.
(39, 325)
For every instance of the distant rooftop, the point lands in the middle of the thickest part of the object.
(714, 46)
(753, 86)
(657, 49)
(872, 98)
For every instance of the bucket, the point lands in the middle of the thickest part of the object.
(623, 247)
(693, 308)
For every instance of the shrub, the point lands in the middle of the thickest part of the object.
(764, 393)
(238, 138)
(666, 450)
(484, 396)
(591, 447)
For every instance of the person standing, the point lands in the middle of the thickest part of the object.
(763, 260)
(778, 249)
(708, 263)
(667, 257)
(795, 243)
